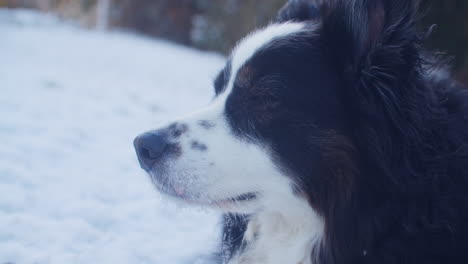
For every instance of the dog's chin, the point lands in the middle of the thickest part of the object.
(247, 202)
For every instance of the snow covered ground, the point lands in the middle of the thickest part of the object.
(71, 102)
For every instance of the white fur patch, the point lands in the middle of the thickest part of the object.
(285, 234)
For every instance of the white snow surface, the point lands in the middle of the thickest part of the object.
(71, 102)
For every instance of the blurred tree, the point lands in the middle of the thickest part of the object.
(102, 14)
(206, 24)
(83, 11)
(170, 19)
(18, 3)
(219, 24)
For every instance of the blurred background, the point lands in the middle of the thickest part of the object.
(217, 25)
(79, 79)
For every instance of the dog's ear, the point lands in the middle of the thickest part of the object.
(375, 48)
(299, 10)
(372, 38)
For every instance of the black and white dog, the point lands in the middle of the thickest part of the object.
(331, 139)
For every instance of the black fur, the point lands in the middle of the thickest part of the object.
(232, 242)
(376, 136)
(298, 10)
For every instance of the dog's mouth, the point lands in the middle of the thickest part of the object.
(234, 201)
(237, 201)
(243, 198)
(241, 203)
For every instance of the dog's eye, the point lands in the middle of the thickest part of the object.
(263, 108)
(267, 90)
(264, 102)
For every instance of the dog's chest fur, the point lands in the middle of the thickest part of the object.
(281, 237)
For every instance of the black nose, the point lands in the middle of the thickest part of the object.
(150, 148)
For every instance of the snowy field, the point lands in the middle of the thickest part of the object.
(71, 102)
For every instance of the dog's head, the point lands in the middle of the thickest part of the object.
(287, 104)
